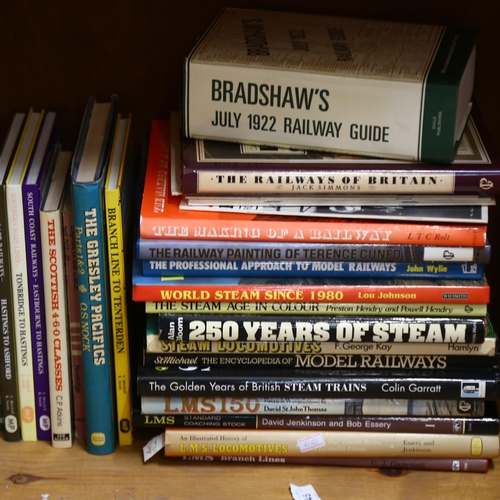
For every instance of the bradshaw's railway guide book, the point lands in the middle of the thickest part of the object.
(361, 86)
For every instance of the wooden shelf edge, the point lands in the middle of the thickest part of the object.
(30, 470)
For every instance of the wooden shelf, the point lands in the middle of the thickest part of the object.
(30, 470)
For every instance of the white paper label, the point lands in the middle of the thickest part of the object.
(153, 447)
(303, 492)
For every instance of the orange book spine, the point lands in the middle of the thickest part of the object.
(162, 217)
(356, 293)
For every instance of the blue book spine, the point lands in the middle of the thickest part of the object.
(309, 269)
(94, 318)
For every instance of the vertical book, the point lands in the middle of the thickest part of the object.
(32, 188)
(56, 309)
(10, 396)
(88, 171)
(115, 196)
(19, 276)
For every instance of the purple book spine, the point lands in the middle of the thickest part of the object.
(37, 308)
(33, 186)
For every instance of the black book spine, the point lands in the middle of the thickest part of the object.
(208, 381)
(239, 328)
(10, 398)
(257, 360)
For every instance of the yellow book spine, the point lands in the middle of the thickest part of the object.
(118, 295)
(320, 443)
(116, 266)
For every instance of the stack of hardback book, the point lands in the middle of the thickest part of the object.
(305, 303)
(310, 349)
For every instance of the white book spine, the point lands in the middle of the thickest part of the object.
(19, 273)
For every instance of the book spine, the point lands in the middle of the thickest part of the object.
(313, 230)
(307, 269)
(318, 252)
(430, 464)
(90, 244)
(71, 278)
(308, 308)
(22, 321)
(331, 422)
(279, 443)
(31, 203)
(351, 361)
(441, 88)
(144, 289)
(278, 408)
(119, 321)
(269, 181)
(313, 422)
(240, 328)
(316, 383)
(57, 332)
(10, 397)
(346, 349)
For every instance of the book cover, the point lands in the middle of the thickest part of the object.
(71, 277)
(161, 217)
(480, 465)
(218, 167)
(424, 355)
(306, 269)
(32, 189)
(9, 373)
(324, 443)
(88, 170)
(241, 328)
(27, 375)
(217, 250)
(321, 308)
(406, 88)
(318, 383)
(116, 194)
(56, 306)
(208, 289)
(422, 416)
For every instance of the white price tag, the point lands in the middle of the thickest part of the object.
(153, 447)
(303, 492)
(311, 442)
